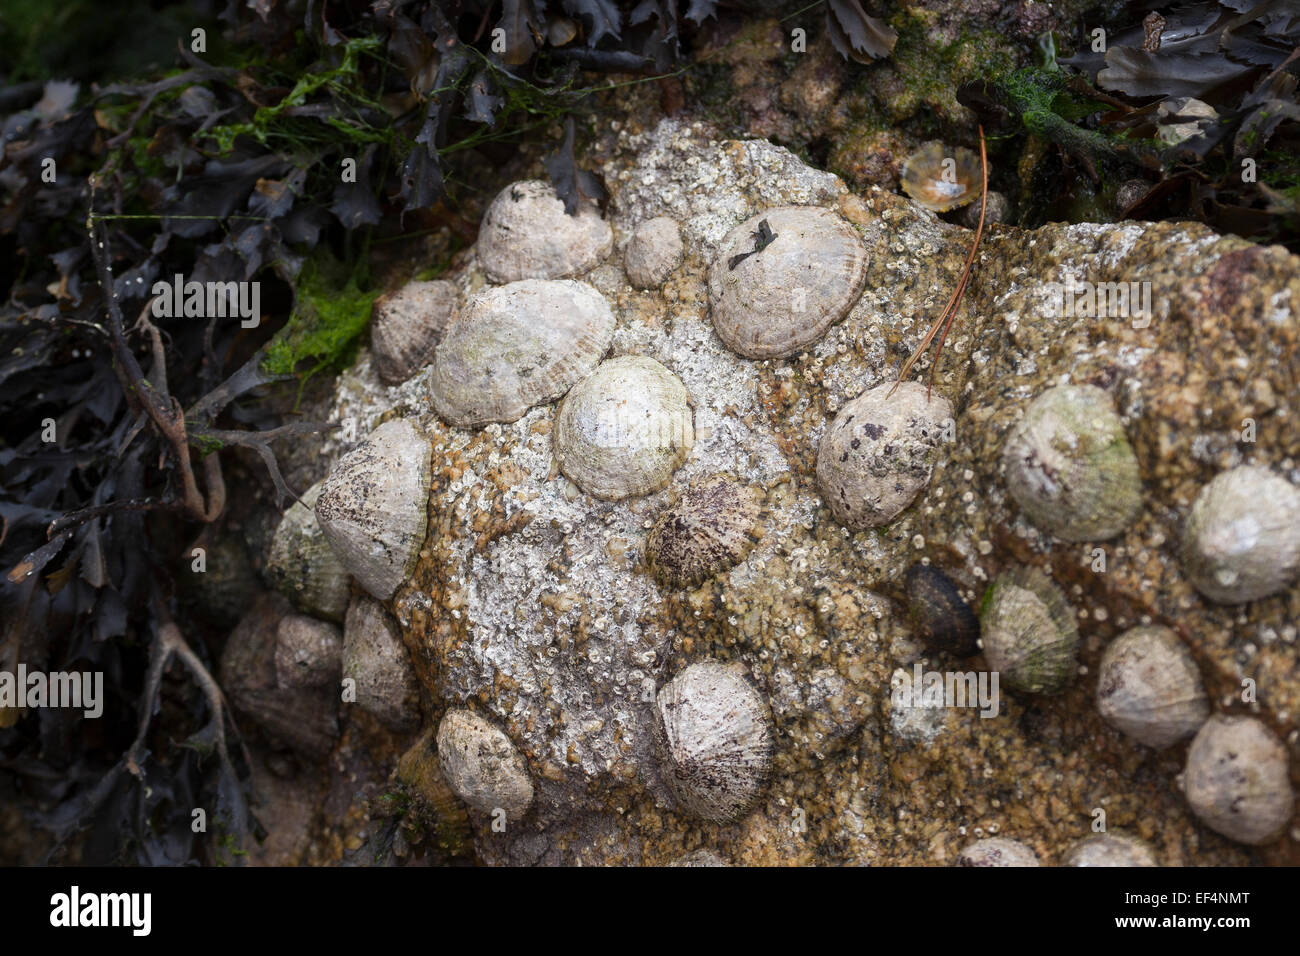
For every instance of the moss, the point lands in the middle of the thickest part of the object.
(330, 312)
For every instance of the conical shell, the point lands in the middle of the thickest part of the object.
(1149, 687)
(1109, 849)
(653, 252)
(516, 346)
(375, 658)
(710, 528)
(1069, 465)
(624, 429)
(942, 177)
(373, 506)
(1028, 632)
(1238, 779)
(303, 566)
(714, 735)
(782, 299)
(878, 453)
(1242, 539)
(308, 653)
(997, 851)
(526, 234)
(407, 325)
(483, 765)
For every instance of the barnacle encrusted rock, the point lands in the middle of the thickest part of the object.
(710, 528)
(526, 234)
(482, 765)
(1238, 779)
(879, 453)
(302, 565)
(1242, 538)
(406, 326)
(531, 600)
(714, 736)
(624, 429)
(516, 346)
(1070, 467)
(372, 506)
(653, 252)
(376, 661)
(782, 278)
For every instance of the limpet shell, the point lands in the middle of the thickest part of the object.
(516, 346)
(483, 765)
(942, 177)
(439, 810)
(781, 299)
(997, 851)
(407, 325)
(624, 429)
(1028, 632)
(1238, 781)
(877, 454)
(301, 564)
(1150, 688)
(653, 252)
(308, 653)
(1242, 538)
(714, 736)
(1069, 465)
(526, 234)
(1110, 849)
(373, 506)
(708, 529)
(940, 618)
(376, 659)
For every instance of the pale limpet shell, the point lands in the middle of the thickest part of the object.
(526, 234)
(624, 429)
(1149, 687)
(482, 765)
(781, 299)
(1110, 849)
(373, 506)
(942, 177)
(407, 325)
(1238, 780)
(516, 346)
(653, 252)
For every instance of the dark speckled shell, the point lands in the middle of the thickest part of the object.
(941, 620)
(709, 529)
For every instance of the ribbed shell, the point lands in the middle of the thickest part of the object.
(653, 252)
(1070, 467)
(376, 658)
(407, 325)
(942, 177)
(1150, 688)
(516, 346)
(710, 528)
(1109, 849)
(1242, 539)
(526, 234)
(373, 506)
(782, 299)
(302, 565)
(1028, 632)
(623, 430)
(714, 736)
(483, 765)
(1237, 779)
(878, 453)
(940, 618)
(308, 653)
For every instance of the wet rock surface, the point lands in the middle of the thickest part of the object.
(531, 602)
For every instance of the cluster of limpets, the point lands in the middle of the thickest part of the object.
(623, 426)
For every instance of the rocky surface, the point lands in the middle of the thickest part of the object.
(531, 602)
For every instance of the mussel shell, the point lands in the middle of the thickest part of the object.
(940, 618)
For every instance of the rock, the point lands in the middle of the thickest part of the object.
(532, 599)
